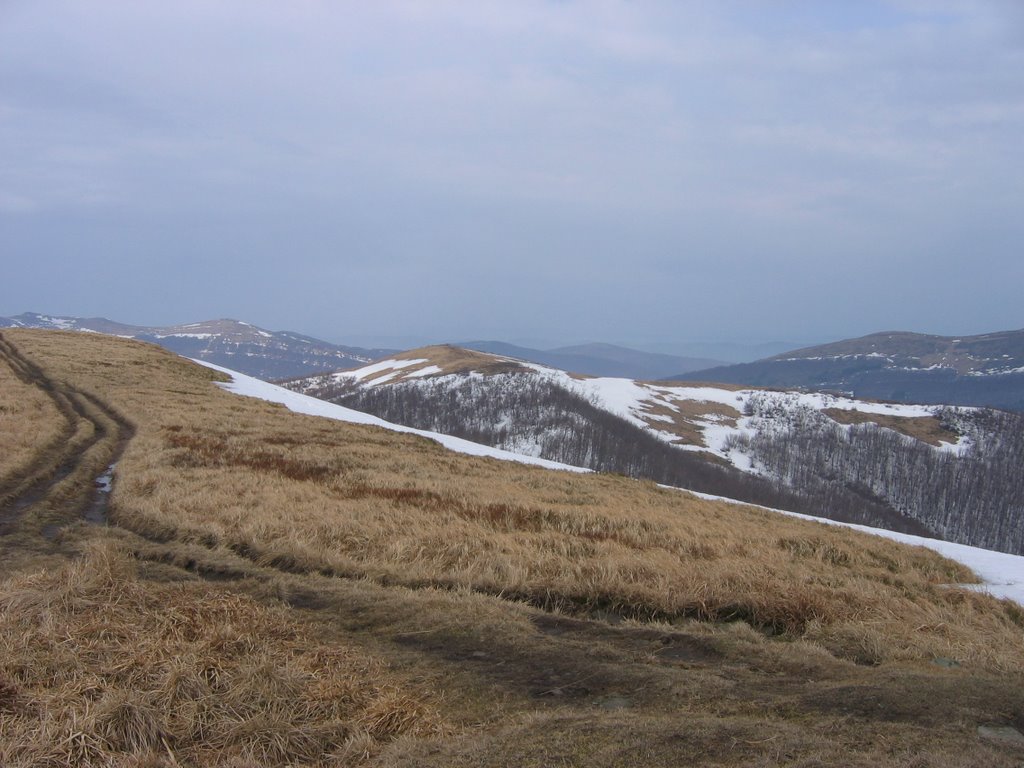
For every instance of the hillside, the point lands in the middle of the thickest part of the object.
(265, 354)
(985, 370)
(414, 606)
(930, 470)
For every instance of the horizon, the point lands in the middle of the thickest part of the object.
(637, 173)
(717, 351)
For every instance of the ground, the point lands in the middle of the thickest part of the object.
(181, 619)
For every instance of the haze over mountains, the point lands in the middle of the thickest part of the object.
(234, 344)
(983, 370)
(986, 369)
(275, 355)
(599, 359)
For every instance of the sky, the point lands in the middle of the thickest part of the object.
(639, 172)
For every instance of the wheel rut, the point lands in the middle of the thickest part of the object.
(62, 479)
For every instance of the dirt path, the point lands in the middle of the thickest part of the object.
(61, 484)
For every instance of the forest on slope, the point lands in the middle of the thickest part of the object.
(801, 460)
(975, 496)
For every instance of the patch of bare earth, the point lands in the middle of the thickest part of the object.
(927, 429)
(686, 421)
(451, 359)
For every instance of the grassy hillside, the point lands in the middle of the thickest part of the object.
(956, 478)
(275, 589)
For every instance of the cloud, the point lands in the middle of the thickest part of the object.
(578, 151)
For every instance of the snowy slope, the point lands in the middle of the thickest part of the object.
(652, 406)
(1003, 574)
(690, 417)
(293, 401)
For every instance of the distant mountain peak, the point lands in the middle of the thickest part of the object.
(985, 369)
(235, 344)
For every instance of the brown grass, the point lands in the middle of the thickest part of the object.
(451, 359)
(30, 423)
(685, 418)
(306, 495)
(769, 620)
(96, 665)
(927, 429)
(713, 384)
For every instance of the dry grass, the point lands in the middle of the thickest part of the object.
(825, 630)
(686, 420)
(306, 495)
(96, 666)
(30, 424)
(64, 439)
(927, 429)
(712, 384)
(452, 359)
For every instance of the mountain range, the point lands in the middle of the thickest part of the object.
(235, 344)
(984, 370)
(274, 355)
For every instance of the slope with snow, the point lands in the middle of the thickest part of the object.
(1003, 574)
(311, 406)
(929, 470)
(692, 417)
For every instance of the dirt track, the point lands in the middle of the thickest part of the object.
(60, 485)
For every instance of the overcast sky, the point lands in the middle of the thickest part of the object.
(566, 171)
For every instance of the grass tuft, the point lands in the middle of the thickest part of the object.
(98, 665)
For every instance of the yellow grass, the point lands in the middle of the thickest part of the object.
(452, 359)
(285, 590)
(29, 424)
(687, 418)
(96, 665)
(927, 429)
(307, 495)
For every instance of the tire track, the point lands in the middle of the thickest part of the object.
(93, 434)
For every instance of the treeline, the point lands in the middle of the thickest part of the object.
(528, 414)
(975, 497)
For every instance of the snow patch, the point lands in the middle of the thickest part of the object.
(62, 323)
(996, 372)
(248, 386)
(379, 367)
(429, 370)
(1002, 574)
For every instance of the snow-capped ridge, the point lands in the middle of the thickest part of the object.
(691, 417)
